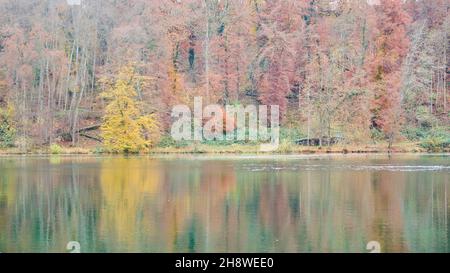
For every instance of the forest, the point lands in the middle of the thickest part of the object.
(105, 74)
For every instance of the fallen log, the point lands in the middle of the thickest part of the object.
(90, 137)
(89, 128)
(67, 136)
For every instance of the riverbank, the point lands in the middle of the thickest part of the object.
(404, 147)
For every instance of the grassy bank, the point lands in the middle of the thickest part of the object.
(284, 148)
(293, 149)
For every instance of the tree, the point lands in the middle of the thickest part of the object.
(331, 97)
(126, 127)
(280, 22)
(391, 46)
(424, 71)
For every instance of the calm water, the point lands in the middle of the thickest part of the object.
(225, 204)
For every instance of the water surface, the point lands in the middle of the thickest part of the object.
(225, 203)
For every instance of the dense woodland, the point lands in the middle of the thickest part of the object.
(362, 70)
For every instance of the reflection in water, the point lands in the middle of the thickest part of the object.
(143, 204)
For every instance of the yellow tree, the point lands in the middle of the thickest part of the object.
(126, 127)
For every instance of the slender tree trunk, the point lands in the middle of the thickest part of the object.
(207, 51)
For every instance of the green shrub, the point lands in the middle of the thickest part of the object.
(7, 136)
(55, 149)
(7, 130)
(99, 150)
(290, 134)
(377, 135)
(168, 142)
(437, 141)
(415, 134)
(285, 147)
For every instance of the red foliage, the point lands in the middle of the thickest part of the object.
(391, 46)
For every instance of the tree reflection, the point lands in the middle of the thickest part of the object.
(140, 204)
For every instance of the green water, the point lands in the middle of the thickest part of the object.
(225, 204)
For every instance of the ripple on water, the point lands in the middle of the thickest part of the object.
(391, 168)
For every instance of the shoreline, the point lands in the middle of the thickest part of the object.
(237, 149)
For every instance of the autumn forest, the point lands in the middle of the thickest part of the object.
(361, 71)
